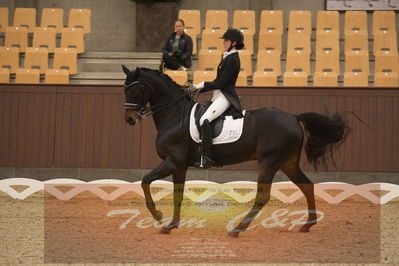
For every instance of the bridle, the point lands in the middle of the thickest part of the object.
(143, 111)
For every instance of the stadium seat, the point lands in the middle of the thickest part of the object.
(246, 61)
(216, 19)
(248, 40)
(178, 76)
(385, 42)
(56, 76)
(298, 61)
(4, 75)
(299, 42)
(270, 41)
(271, 21)
(355, 61)
(9, 58)
(386, 79)
(211, 40)
(327, 21)
(242, 79)
(4, 13)
(244, 20)
(193, 36)
(192, 20)
(264, 78)
(26, 18)
(385, 61)
(52, 18)
(73, 38)
(355, 79)
(36, 58)
(327, 62)
(384, 21)
(268, 61)
(356, 42)
(327, 42)
(295, 79)
(45, 38)
(200, 76)
(355, 21)
(27, 76)
(80, 18)
(66, 58)
(16, 37)
(325, 79)
(300, 22)
(209, 59)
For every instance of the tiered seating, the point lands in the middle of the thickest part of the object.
(25, 18)
(244, 20)
(4, 75)
(327, 49)
(209, 59)
(200, 76)
(216, 20)
(52, 18)
(298, 50)
(56, 76)
(3, 19)
(178, 76)
(192, 21)
(246, 62)
(36, 58)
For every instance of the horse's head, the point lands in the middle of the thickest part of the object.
(136, 98)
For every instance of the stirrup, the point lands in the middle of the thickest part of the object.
(206, 162)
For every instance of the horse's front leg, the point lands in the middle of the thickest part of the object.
(179, 179)
(163, 170)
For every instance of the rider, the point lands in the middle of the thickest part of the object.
(224, 94)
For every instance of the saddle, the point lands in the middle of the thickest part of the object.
(216, 125)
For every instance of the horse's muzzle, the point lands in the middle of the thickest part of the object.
(131, 121)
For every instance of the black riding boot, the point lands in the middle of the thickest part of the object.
(206, 145)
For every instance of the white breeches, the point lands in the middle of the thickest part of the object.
(218, 106)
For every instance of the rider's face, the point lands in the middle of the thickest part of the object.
(226, 44)
(179, 28)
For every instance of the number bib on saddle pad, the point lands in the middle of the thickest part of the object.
(224, 130)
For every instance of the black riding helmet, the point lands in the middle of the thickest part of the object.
(234, 35)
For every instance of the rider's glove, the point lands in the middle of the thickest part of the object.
(199, 86)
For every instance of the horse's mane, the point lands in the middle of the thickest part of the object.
(163, 76)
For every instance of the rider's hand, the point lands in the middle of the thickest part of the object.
(199, 86)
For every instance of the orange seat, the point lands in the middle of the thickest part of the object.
(356, 42)
(325, 79)
(298, 61)
(178, 76)
(66, 58)
(271, 21)
(300, 22)
(56, 76)
(248, 40)
(209, 59)
(355, 79)
(73, 38)
(4, 75)
(211, 40)
(27, 76)
(52, 18)
(45, 38)
(327, 21)
(270, 41)
(17, 37)
(264, 78)
(384, 21)
(385, 42)
(36, 58)
(194, 38)
(192, 20)
(246, 61)
(355, 22)
(200, 76)
(25, 18)
(295, 79)
(386, 79)
(9, 58)
(244, 20)
(80, 18)
(242, 79)
(216, 20)
(4, 13)
(268, 61)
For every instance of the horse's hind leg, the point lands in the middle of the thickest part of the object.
(179, 179)
(265, 179)
(296, 175)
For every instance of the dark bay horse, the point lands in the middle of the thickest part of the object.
(272, 137)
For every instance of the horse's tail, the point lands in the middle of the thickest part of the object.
(325, 133)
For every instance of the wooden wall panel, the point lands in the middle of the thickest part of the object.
(83, 126)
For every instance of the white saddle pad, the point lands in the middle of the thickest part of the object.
(231, 131)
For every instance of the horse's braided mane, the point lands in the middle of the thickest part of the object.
(162, 75)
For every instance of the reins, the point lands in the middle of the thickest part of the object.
(146, 111)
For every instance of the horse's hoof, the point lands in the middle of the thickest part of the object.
(165, 230)
(158, 217)
(233, 234)
(305, 228)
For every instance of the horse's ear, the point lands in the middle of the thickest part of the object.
(126, 70)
